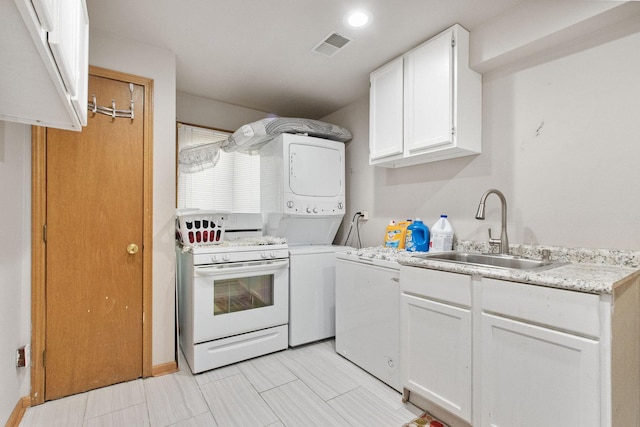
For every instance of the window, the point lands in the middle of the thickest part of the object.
(232, 185)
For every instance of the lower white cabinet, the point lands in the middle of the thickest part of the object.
(534, 376)
(495, 353)
(540, 358)
(436, 357)
(435, 339)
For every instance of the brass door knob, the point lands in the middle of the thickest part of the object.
(132, 249)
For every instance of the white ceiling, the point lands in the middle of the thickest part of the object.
(258, 53)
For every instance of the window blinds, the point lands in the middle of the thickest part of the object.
(232, 185)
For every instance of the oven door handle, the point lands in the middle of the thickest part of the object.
(266, 267)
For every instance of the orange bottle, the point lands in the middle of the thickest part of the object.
(403, 225)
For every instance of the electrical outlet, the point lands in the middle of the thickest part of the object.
(365, 216)
(21, 358)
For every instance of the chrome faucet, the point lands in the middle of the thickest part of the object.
(503, 241)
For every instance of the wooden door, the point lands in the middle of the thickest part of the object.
(94, 241)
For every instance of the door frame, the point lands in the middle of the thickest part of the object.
(38, 247)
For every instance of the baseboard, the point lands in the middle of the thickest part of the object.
(18, 412)
(164, 369)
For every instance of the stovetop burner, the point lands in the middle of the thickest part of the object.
(262, 248)
(255, 241)
(245, 244)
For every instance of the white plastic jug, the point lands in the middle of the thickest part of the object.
(441, 235)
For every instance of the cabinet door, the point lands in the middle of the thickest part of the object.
(65, 43)
(81, 64)
(534, 376)
(52, 88)
(385, 111)
(47, 11)
(429, 94)
(436, 353)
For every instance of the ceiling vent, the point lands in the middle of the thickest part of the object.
(331, 44)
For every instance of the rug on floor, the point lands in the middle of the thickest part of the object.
(425, 420)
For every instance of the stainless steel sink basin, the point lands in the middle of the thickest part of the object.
(491, 260)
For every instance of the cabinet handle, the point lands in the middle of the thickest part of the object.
(396, 279)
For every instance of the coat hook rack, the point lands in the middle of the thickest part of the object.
(112, 111)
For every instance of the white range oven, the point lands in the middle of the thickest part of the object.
(233, 298)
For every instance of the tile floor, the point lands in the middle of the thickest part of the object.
(305, 386)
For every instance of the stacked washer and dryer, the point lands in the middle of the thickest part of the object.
(303, 199)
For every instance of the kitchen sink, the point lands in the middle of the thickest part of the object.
(491, 260)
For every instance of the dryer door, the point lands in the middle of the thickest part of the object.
(315, 170)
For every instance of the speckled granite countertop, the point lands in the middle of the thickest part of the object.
(596, 271)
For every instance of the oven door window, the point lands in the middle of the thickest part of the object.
(241, 294)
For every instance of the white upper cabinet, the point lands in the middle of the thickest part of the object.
(426, 105)
(47, 11)
(385, 110)
(44, 74)
(429, 94)
(63, 41)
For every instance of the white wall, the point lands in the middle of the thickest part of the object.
(15, 261)
(109, 51)
(575, 182)
(197, 110)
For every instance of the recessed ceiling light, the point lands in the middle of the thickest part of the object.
(358, 19)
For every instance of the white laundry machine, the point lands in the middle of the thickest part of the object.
(312, 292)
(368, 315)
(302, 183)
